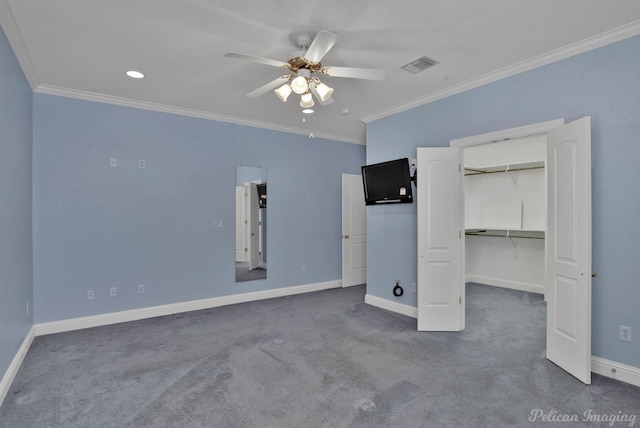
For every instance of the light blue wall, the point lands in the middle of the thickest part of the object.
(604, 84)
(16, 282)
(245, 174)
(97, 227)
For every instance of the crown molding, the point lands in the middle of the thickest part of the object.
(602, 39)
(10, 27)
(163, 108)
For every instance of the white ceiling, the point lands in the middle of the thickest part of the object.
(82, 48)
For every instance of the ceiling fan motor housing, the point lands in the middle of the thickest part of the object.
(301, 63)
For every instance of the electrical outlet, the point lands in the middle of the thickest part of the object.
(113, 292)
(113, 162)
(90, 294)
(303, 269)
(142, 164)
(140, 288)
(414, 287)
(625, 333)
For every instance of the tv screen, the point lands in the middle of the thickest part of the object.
(387, 182)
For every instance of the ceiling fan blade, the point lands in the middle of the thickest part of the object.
(268, 86)
(320, 46)
(254, 58)
(354, 73)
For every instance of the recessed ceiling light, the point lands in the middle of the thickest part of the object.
(135, 74)
(307, 111)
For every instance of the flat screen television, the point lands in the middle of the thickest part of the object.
(387, 182)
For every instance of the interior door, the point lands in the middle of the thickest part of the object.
(240, 225)
(569, 248)
(354, 231)
(252, 234)
(440, 240)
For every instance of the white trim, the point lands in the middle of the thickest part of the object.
(504, 134)
(399, 308)
(163, 108)
(42, 329)
(613, 370)
(582, 46)
(514, 285)
(13, 368)
(10, 27)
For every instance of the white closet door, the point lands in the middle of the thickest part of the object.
(569, 248)
(440, 240)
(252, 232)
(241, 255)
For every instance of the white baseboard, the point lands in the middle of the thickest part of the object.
(514, 285)
(175, 308)
(399, 308)
(618, 371)
(12, 371)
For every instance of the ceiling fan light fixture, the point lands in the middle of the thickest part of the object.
(299, 85)
(307, 111)
(323, 91)
(306, 100)
(283, 92)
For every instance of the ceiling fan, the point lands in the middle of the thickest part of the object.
(302, 67)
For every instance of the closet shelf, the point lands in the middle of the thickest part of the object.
(506, 233)
(492, 169)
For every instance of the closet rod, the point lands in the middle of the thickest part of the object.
(503, 236)
(480, 171)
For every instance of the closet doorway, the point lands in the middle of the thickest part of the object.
(567, 233)
(505, 214)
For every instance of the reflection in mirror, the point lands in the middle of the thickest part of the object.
(251, 223)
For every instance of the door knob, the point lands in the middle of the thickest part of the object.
(346, 236)
(593, 274)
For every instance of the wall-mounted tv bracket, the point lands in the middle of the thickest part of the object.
(414, 164)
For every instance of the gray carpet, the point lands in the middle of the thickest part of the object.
(322, 359)
(243, 273)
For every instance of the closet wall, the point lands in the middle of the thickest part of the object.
(505, 213)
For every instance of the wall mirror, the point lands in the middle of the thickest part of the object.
(251, 223)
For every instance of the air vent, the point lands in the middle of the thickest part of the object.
(419, 64)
